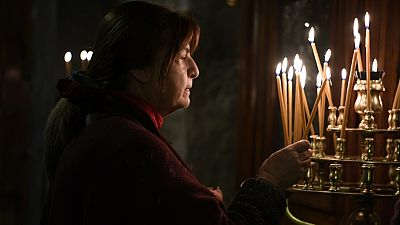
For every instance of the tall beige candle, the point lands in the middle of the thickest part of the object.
(343, 89)
(357, 46)
(350, 85)
(314, 49)
(368, 60)
(279, 89)
(290, 106)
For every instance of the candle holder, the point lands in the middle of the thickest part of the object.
(332, 117)
(313, 144)
(368, 152)
(360, 105)
(368, 121)
(310, 176)
(367, 178)
(339, 121)
(390, 118)
(395, 119)
(321, 146)
(392, 175)
(335, 176)
(340, 148)
(389, 149)
(396, 150)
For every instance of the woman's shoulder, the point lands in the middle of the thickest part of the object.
(120, 126)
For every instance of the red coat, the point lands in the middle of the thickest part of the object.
(119, 170)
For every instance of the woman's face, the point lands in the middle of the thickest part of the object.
(175, 93)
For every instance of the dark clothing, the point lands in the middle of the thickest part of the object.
(120, 170)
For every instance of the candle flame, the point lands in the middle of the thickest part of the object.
(328, 73)
(355, 27)
(89, 55)
(328, 55)
(344, 74)
(319, 80)
(284, 65)
(83, 55)
(311, 35)
(357, 41)
(375, 66)
(67, 57)
(278, 69)
(303, 76)
(366, 20)
(297, 63)
(290, 74)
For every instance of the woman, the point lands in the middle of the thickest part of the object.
(106, 161)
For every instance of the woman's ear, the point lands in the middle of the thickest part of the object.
(139, 75)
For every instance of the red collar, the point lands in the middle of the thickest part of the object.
(155, 117)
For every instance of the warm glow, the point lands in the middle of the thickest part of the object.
(357, 41)
(278, 69)
(290, 74)
(328, 73)
(366, 20)
(319, 80)
(297, 63)
(355, 27)
(344, 74)
(67, 57)
(311, 35)
(328, 55)
(303, 76)
(375, 66)
(89, 55)
(83, 55)
(284, 65)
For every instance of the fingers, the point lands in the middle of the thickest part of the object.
(300, 146)
(304, 156)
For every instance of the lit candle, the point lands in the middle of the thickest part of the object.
(320, 111)
(83, 56)
(284, 87)
(279, 89)
(67, 60)
(325, 75)
(368, 59)
(303, 78)
(342, 94)
(357, 44)
(375, 66)
(89, 55)
(349, 90)
(311, 35)
(298, 102)
(290, 86)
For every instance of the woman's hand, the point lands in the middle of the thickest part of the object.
(287, 166)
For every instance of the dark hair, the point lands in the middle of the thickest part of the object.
(134, 35)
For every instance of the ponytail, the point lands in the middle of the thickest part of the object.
(64, 122)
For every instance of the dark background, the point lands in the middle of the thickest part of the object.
(233, 122)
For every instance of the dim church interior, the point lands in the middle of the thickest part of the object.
(231, 99)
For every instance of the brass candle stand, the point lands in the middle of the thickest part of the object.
(327, 171)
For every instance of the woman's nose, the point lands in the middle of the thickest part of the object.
(193, 70)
